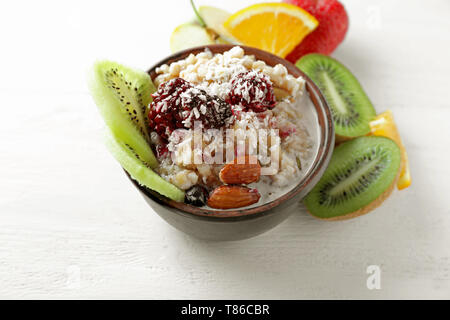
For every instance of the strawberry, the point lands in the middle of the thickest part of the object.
(333, 25)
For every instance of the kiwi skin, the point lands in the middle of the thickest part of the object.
(384, 150)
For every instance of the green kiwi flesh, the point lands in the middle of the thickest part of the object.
(359, 177)
(122, 96)
(140, 170)
(351, 108)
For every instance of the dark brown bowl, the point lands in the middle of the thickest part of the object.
(245, 223)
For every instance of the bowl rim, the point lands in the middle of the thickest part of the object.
(319, 164)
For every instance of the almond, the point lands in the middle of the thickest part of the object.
(243, 170)
(228, 197)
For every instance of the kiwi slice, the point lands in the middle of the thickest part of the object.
(361, 175)
(351, 108)
(122, 96)
(139, 169)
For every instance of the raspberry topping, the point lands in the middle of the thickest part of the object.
(162, 150)
(252, 90)
(178, 104)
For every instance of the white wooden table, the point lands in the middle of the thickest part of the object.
(72, 225)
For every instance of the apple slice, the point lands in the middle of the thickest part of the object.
(214, 18)
(188, 35)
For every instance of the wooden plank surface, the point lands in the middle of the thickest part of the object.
(72, 226)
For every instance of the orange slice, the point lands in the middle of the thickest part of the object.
(274, 27)
(384, 125)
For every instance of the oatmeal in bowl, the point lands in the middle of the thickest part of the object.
(222, 141)
(231, 130)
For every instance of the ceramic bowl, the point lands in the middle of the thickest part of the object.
(244, 223)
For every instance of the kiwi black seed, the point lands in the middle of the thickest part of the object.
(361, 175)
(351, 108)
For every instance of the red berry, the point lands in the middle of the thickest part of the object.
(162, 150)
(178, 104)
(251, 90)
(333, 25)
(287, 131)
(164, 114)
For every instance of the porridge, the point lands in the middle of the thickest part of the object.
(228, 124)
